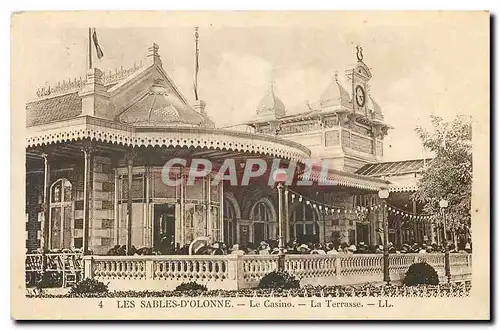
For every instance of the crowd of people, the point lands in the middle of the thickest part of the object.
(293, 247)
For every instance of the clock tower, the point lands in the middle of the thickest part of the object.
(359, 76)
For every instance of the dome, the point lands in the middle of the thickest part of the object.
(160, 107)
(271, 104)
(335, 94)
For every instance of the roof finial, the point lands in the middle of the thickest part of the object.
(359, 53)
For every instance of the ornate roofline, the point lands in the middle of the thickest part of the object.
(97, 129)
(347, 179)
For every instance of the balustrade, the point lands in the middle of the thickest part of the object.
(235, 271)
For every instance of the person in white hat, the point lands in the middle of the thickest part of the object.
(331, 249)
(303, 248)
(236, 250)
(264, 248)
(351, 249)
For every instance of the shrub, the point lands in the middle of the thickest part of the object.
(278, 280)
(421, 273)
(48, 280)
(88, 286)
(191, 286)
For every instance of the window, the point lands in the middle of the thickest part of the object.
(305, 221)
(264, 222)
(61, 215)
(229, 222)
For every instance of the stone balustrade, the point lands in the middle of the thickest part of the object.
(245, 271)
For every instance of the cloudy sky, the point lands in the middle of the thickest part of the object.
(421, 64)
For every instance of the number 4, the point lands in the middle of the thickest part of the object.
(100, 304)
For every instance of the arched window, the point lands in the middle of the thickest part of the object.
(264, 220)
(304, 223)
(61, 215)
(229, 222)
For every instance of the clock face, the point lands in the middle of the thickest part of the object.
(360, 96)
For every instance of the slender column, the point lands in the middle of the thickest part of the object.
(45, 242)
(211, 227)
(182, 198)
(130, 164)
(287, 219)
(87, 188)
(416, 235)
(221, 213)
(147, 220)
(373, 234)
(281, 255)
(116, 213)
(387, 278)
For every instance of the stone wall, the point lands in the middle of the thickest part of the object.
(102, 220)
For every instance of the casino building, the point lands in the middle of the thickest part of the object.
(96, 146)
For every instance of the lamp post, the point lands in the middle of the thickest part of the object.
(443, 204)
(383, 194)
(280, 177)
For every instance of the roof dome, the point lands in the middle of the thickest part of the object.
(159, 107)
(335, 94)
(271, 104)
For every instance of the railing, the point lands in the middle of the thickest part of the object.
(161, 272)
(245, 271)
(64, 269)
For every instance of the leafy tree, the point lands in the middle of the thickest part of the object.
(449, 174)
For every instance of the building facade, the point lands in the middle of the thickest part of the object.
(96, 149)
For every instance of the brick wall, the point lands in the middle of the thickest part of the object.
(102, 219)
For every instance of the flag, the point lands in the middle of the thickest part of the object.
(98, 49)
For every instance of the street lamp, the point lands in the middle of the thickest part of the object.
(280, 177)
(383, 194)
(443, 204)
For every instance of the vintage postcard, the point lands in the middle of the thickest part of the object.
(250, 165)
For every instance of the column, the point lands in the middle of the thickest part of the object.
(373, 215)
(116, 210)
(130, 164)
(211, 227)
(287, 219)
(87, 188)
(45, 242)
(148, 239)
(221, 214)
(416, 235)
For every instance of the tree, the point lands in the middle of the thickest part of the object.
(449, 174)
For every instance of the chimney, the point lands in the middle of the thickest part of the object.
(94, 95)
(153, 55)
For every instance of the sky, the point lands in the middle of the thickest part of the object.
(421, 64)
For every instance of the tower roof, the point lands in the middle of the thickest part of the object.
(335, 94)
(271, 104)
(159, 107)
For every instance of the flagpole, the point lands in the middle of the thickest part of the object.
(90, 48)
(196, 64)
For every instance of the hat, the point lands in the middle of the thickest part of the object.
(303, 247)
(352, 248)
(361, 243)
(264, 245)
(380, 247)
(235, 247)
